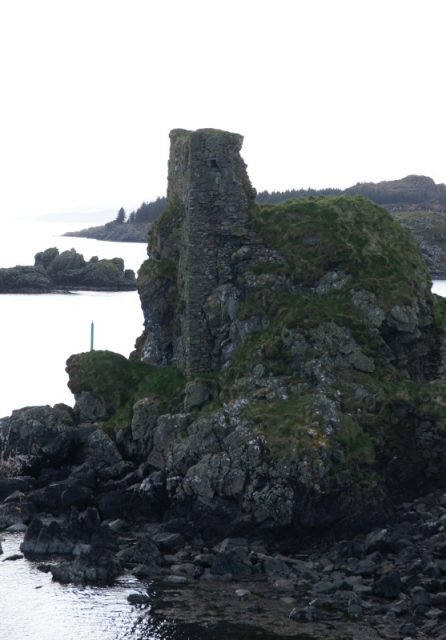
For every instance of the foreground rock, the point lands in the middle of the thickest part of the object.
(54, 271)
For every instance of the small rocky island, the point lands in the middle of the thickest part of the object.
(274, 451)
(53, 271)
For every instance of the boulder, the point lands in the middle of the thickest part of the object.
(34, 437)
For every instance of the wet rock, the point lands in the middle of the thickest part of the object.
(11, 485)
(379, 540)
(388, 585)
(186, 569)
(174, 579)
(15, 514)
(205, 560)
(15, 556)
(142, 571)
(33, 437)
(138, 599)
(166, 541)
(306, 614)
(232, 558)
(93, 565)
(46, 539)
(146, 551)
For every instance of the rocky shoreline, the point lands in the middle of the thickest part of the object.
(265, 447)
(67, 271)
(114, 232)
(387, 583)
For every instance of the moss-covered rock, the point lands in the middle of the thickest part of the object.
(312, 346)
(118, 383)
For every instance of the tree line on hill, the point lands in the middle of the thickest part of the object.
(413, 190)
(147, 212)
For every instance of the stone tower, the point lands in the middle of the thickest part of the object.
(209, 196)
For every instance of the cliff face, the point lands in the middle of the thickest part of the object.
(428, 230)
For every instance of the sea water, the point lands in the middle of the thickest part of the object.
(38, 332)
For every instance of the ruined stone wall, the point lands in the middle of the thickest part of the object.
(217, 198)
(209, 196)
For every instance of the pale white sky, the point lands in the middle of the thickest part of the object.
(326, 93)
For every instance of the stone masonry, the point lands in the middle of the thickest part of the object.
(210, 194)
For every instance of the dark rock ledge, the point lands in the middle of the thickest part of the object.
(54, 271)
(84, 504)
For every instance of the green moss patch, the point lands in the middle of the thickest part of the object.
(287, 423)
(354, 235)
(293, 427)
(121, 382)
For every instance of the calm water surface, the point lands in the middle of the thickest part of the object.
(32, 607)
(39, 332)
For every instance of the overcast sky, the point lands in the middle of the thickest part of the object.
(325, 92)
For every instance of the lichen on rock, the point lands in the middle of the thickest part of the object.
(312, 316)
(289, 376)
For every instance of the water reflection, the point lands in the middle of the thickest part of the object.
(33, 607)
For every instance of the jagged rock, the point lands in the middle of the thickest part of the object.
(46, 539)
(138, 598)
(197, 394)
(33, 437)
(388, 585)
(232, 558)
(145, 415)
(24, 279)
(14, 514)
(60, 496)
(93, 564)
(10, 485)
(97, 448)
(89, 407)
(67, 270)
(167, 541)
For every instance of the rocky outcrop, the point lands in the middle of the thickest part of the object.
(288, 384)
(296, 310)
(428, 229)
(54, 271)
